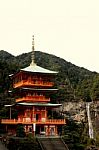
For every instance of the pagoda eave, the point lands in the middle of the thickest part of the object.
(40, 104)
(38, 89)
(37, 69)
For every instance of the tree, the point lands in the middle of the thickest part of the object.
(72, 132)
(20, 132)
(95, 88)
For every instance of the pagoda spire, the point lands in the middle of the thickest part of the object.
(32, 55)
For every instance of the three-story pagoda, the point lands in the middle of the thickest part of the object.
(33, 85)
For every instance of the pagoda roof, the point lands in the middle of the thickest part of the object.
(40, 104)
(35, 104)
(37, 69)
(35, 89)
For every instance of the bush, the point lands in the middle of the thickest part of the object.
(20, 132)
(16, 143)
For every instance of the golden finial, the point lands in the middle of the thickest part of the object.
(32, 56)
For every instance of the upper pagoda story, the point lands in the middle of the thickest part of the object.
(33, 75)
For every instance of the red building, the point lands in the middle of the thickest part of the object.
(33, 86)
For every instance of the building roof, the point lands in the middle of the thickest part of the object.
(40, 104)
(37, 69)
(33, 89)
(35, 104)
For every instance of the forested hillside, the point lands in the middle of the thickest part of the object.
(74, 83)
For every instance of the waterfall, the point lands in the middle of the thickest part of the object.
(89, 120)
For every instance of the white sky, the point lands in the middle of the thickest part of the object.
(66, 28)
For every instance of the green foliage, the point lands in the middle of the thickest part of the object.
(95, 88)
(72, 132)
(22, 144)
(20, 132)
(75, 135)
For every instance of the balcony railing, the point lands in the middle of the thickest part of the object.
(31, 83)
(36, 98)
(24, 121)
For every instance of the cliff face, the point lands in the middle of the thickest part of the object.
(79, 112)
(74, 110)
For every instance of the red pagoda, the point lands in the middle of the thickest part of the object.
(33, 85)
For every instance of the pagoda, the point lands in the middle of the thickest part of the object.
(33, 86)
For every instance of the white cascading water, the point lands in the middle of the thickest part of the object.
(89, 120)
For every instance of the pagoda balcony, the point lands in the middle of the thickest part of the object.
(30, 83)
(24, 121)
(35, 98)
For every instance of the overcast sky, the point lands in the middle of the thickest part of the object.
(66, 28)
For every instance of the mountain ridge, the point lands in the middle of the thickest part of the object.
(4, 54)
